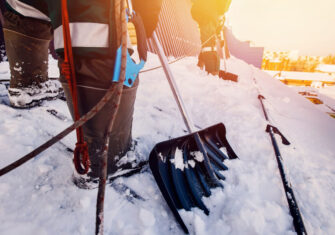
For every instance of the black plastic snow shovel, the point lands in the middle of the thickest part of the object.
(186, 168)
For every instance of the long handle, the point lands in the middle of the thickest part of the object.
(188, 122)
(292, 202)
(120, 19)
(223, 50)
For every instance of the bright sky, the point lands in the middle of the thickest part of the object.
(304, 25)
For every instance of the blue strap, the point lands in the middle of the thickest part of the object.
(132, 69)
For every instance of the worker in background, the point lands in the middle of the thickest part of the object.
(209, 14)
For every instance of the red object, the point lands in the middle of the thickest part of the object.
(81, 159)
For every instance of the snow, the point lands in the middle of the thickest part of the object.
(26, 96)
(325, 94)
(316, 76)
(147, 218)
(40, 198)
(326, 68)
(178, 160)
(198, 156)
(19, 69)
(329, 91)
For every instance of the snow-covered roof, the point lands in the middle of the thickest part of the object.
(326, 68)
(301, 76)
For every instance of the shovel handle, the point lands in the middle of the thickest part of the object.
(176, 94)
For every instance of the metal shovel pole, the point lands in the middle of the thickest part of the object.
(187, 120)
(292, 202)
(224, 52)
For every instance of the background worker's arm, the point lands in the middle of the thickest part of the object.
(149, 11)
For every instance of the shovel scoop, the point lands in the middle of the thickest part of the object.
(181, 172)
(188, 167)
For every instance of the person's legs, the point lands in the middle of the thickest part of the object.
(210, 60)
(27, 41)
(208, 56)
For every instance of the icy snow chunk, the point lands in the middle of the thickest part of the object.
(191, 163)
(147, 218)
(198, 156)
(126, 159)
(19, 69)
(46, 90)
(178, 160)
(44, 168)
(160, 155)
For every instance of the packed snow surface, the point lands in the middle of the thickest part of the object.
(40, 198)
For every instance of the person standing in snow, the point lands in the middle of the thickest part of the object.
(30, 25)
(209, 15)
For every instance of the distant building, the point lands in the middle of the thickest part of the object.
(303, 78)
(243, 50)
(291, 61)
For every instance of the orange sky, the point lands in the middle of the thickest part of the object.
(304, 25)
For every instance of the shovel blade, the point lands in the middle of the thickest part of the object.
(178, 168)
(228, 76)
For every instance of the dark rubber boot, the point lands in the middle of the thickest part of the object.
(28, 59)
(90, 71)
(211, 61)
(27, 42)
